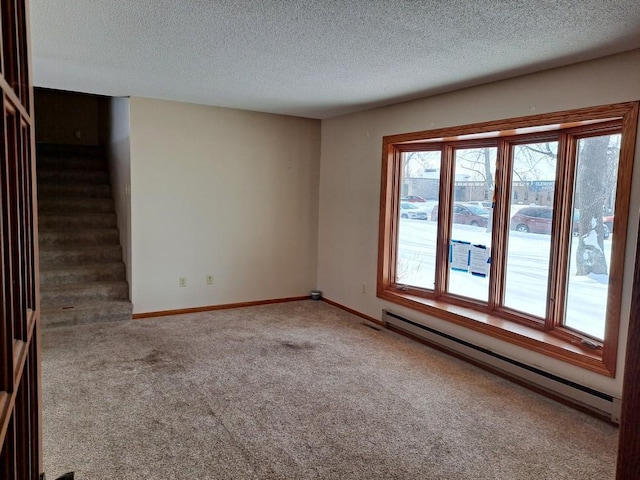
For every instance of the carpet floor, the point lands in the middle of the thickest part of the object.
(298, 390)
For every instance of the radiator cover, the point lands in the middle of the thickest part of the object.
(598, 402)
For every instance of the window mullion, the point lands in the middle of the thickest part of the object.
(500, 225)
(561, 231)
(444, 219)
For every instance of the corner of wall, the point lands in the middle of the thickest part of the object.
(119, 152)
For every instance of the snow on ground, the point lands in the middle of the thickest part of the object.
(527, 273)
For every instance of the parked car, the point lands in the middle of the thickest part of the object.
(533, 219)
(481, 204)
(539, 220)
(465, 214)
(409, 210)
(413, 199)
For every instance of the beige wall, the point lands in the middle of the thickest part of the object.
(224, 192)
(119, 151)
(67, 118)
(350, 183)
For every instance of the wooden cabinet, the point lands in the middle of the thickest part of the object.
(20, 453)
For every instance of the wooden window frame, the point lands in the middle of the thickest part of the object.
(548, 336)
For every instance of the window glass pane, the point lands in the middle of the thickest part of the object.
(593, 202)
(533, 180)
(471, 222)
(417, 233)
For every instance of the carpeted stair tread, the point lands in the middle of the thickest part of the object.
(86, 273)
(74, 190)
(87, 237)
(84, 313)
(50, 257)
(73, 176)
(71, 221)
(82, 276)
(76, 162)
(73, 205)
(64, 150)
(84, 292)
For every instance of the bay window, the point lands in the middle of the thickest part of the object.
(525, 228)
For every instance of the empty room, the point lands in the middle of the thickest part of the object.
(320, 240)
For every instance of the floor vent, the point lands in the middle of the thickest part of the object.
(598, 402)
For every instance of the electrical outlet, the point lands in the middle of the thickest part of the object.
(364, 288)
(209, 279)
(182, 281)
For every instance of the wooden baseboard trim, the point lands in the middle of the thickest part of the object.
(483, 366)
(209, 308)
(354, 312)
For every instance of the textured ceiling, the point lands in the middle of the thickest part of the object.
(314, 58)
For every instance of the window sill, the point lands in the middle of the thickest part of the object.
(506, 330)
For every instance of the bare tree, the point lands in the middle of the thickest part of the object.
(416, 163)
(591, 194)
(478, 162)
(535, 161)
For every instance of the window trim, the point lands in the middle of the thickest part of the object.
(557, 341)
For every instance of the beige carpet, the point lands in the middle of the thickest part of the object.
(295, 391)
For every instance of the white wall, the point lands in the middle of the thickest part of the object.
(119, 149)
(224, 192)
(350, 183)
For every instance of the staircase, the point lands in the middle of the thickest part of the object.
(82, 276)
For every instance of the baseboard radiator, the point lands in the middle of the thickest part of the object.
(598, 402)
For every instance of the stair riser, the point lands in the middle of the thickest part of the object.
(61, 150)
(70, 163)
(80, 254)
(54, 258)
(63, 177)
(73, 276)
(79, 238)
(87, 294)
(75, 205)
(60, 222)
(74, 190)
(60, 318)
